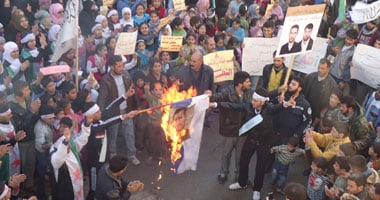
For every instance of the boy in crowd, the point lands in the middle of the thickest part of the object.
(285, 155)
(317, 179)
(342, 171)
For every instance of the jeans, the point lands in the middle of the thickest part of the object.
(127, 130)
(279, 173)
(229, 144)
(43, 160)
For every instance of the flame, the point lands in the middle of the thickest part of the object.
(175, 138)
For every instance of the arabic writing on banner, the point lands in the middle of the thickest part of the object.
(54, 69)
(171, 43)
(179, 5)
(362, 12)
(257, 53)
(166, 20)
(366, 66)
(308, 63)
(222, 64)
(126, 43)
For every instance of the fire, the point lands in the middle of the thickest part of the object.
(174, 137)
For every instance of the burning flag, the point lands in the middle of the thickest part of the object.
(183, 126)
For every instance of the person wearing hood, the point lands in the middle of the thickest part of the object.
(254, 11)
(87, 17)
(352, 113)
(19, 24)
(57, 13)
(12, 65)
(53, 36)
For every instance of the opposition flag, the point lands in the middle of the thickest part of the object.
(67, 38)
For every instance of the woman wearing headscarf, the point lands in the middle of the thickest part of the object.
(57, 13)
(12, 65)
(18, 25)
(30, 52)
(44, 22)
(53, 36)
(87, 17)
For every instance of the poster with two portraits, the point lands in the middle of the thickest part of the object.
(300, 29)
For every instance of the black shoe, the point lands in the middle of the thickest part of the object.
(306, 172)
(222, 178)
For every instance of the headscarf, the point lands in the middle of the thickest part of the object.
(54, 10)
(16, 20)
(252, 11)
(25, 39)
(125, 22)
(53, 33)
(15, 63)
(41, 17)
(99, 19)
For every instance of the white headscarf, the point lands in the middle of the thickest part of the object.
(53, 33)
(15, 63)
(99, 19)
(125, 22)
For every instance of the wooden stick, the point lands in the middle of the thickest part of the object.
(154, 108)
(290, 67)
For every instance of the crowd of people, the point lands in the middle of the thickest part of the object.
(58, 131)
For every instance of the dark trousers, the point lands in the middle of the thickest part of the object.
(263, 152)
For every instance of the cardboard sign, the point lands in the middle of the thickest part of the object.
(366, 66)
(222, 63)
(166, 20)
(179, 5)
(257, 53)
(108, 2)
(171, 43)
(126, 43)
(54, 69)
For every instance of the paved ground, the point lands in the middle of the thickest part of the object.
(201, 184)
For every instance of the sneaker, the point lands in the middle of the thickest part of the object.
(236, 186)
(134, 160)
(256, 195)
(222, 178)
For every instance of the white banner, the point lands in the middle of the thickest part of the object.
(308, 63)
(257, 53)
(362, 12)
(67, 38)
(366, 66)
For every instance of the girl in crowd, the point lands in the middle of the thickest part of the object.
(106, 32)
(127, 17)
(148, 36)
(141, 16)
(178, 27)
(96, 63)
(158, 7)
(114, 22)
(190, 45)
(14, 69)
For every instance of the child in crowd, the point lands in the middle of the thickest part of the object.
(346, 149)
(342, 171)
(14, 69)
(285, 155)
(33, 54)
(158, 8)
(329, 142)
(114, 22)
(166, 31)
(141, 16)
(155, 74)
(178, 27)
(148, 36)
(219, 42)
(154, 22)
(329, 114)
(106, 31)
(317, 179)
(97, 63)
(190, 45)
(145, 57)
(236, 31)
(156, 141)
(127, 18)
(140, 121)
(374, 153)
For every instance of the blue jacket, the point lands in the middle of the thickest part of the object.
(372, 113)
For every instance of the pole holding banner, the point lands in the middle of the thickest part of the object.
(290, 67)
